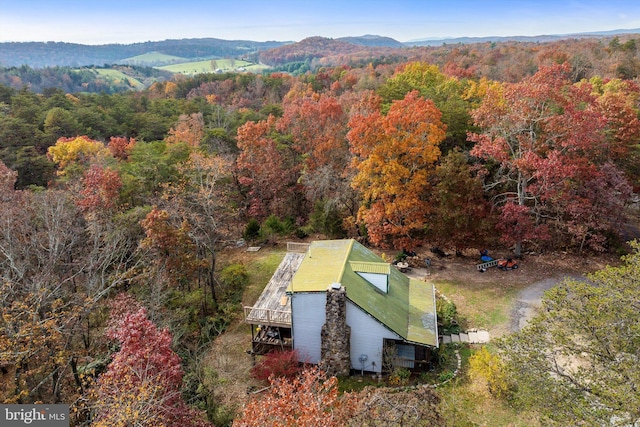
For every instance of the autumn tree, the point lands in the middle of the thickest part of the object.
(545, 144)
(100, 191)
(447, 92)
(73, 155)
(201, 196)
(619, 102)
(142, 384)
(318, 126)
(189, 129)
(461, 213)
(582, 349)
(311, 399)
(174, 252)
(268, 171)
(120, 147)
(395, 156)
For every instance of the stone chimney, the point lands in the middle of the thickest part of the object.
(335, 345)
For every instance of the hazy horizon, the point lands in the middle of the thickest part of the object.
(125, 22)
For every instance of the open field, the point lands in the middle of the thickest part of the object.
(210, 66)
(154, 58)
(118, 76)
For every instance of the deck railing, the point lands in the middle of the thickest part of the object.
(264, 316)
(297, 247)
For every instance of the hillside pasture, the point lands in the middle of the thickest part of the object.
(153, 59)
(210, 66)
(119, 77)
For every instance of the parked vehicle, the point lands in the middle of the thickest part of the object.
(507, 264)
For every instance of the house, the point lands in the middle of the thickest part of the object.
(343, 307)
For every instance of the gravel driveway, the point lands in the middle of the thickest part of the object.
(530, 299)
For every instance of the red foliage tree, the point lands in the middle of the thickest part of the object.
(100, 190)
(268, 170)
(142, 384)
(318, 127)
(277, 364)
(549, 138)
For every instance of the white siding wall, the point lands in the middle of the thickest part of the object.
(367, 337)
(308, 316)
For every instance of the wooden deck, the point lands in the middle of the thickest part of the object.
(273, 308)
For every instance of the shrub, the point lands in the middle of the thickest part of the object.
(488, 367)
(273, 225)
(445, 376)
(400, 376)
(234, 278)
(446, 356)
(400, 257)
(252, 229)
(302, 232)
(447, 315)
(235, 275)
(278, 364)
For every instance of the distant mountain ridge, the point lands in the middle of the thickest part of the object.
(371, 40)
(533, 39)
(51, 54)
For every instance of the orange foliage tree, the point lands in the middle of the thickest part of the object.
(120, 147)
(189, 129)
(395, 156)
(175, 252)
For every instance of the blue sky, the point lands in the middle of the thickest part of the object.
(118, 21)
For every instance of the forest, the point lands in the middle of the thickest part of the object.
(115, 208)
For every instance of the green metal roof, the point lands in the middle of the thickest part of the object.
(322, 265)
(370, 267)
(407, 309)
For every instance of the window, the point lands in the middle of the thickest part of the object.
(376, 273)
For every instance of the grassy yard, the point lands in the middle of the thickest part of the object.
(486, 307)
(463, 403)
